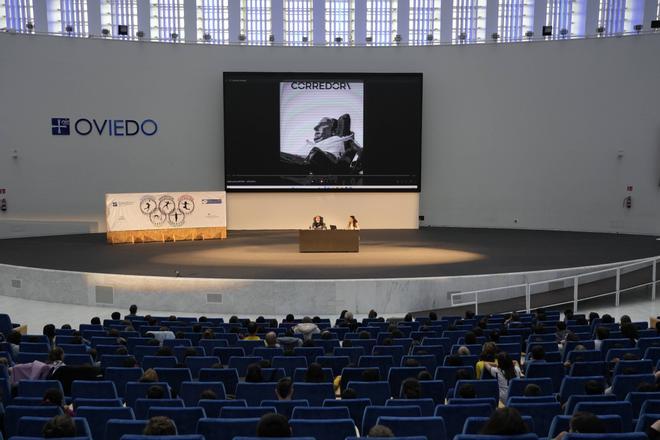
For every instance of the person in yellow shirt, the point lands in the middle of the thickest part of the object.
(488, 354)
(252, 332)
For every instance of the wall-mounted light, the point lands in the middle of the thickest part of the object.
(174, 36)
(105, 32)
(600, 30)
(429, 37)
(638, 28)
(68, 29)
(338, 39)
(462, 36)
(206, 37)
(495, 36)
(368, 39)
(546, 31)
(529, 34)
(29, 26)
(241, 37)
(271, 38)
(397, 38)
(563, 32)
(139, 34)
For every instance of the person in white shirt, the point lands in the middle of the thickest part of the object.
(353, 223)
(503, 370)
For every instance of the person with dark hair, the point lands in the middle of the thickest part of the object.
(593, 387)
(54, 397)
(467, 391)
(273, 425)
(504, 421)
(408, 317)
(14, 339)
(560, 334)
(469, 314)
(503, 370)
(253, 373)
(252, 332)
(284, 389)
(411, 389)
(607, 319)
(488, 353)
(348, 393)
(537, 354)
(59, 427)
(454, 360)
(160, 425)
(155, 392)
(532, 390)
(625, 319)
(463, 374)
(602, 333)
(115, 316)
(370, 375)
(470, 338)
(95, 321)
(628, 330)
(49, 332)
(584, 423)
(380, 431)
(433, 316)
(314, 373)
(593, 316)
(372, 314)
(424, 375)
(132, 310)
(208, 395)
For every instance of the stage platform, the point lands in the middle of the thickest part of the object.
(273, 255)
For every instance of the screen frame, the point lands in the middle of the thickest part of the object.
(283, 76)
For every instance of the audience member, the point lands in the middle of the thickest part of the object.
(160, 425)
(273, 425)
(584, 423)
(284, 389)
(504, 421)
(306, 328)
(411, 389)
(314, 373)
(253, 373)
(252, 332)
(532, 390)
(467, 391)
(504, 370)
(380, 431)
(59, 427)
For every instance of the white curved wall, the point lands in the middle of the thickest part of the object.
(527, 131)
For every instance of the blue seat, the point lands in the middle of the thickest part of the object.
(210, 344)
(612, 423)
(226, 353)
(254, 393)
(431, 427)
(352, 374)
(181, 353)
(328, 345)
(483, 387)
(285, 407)
(517, 385)
(320, 413)
(608, 436)
(473, 425)
(133, 342)
(645, 421)
(142, 405)
(174, 377)
(228, 377)
(620, 408)
(241, 363)
(116, 360)
(98, 416)
(575, 385)
(249, 345)
(425, 405)
(212, 407)
(30, 426)
(367, 344)
(159, 362)
(121, 376)
(619, 353)
(138, 390)
(267, 352)
(397, 375)
(353, 353)
(309, 353)
(226, 429)
(177, 343)
(652, 353)
(531, 399)
(383, 363)
(140, 351)
(455, 415)
(326, 429)
(474, 401)
(106, 349)
(377, 392)
(588, 368)
(84, 401)
(427, 361)
(289, 363)
(99, 389)
(13, 414)
(650, 407)
(185, 419)
(190, 391)
(299, 374)
(73, 348)
(633, 367)
(436, 350)
(34, 347)
(372, 413)
(637, 399)
(162, 437)
(115, 429)
(395, 351)
(37, 388)
(448, 374)
(542, 413)
(238, 412)
(26, 358)
(577, 398)
(434, 389)
(554, 370)
(528, 436)
(314, 393)
(27, 401)
(623, 384)
(608, 344)
(355, 407)
(336, 363)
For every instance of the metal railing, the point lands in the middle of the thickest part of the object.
(475, 297)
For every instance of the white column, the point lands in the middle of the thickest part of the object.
(446, 15)
(591, 20)
(360, 22)
(144, 18)
(491, 18)
(540, 9)
(234, 10)
(190, 20)
(40, 16)
(650, 13)
(402, 20)
(277, 20)
(94, 18)
(318, 11)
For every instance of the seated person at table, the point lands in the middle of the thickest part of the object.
(318, 223)
(353, 223)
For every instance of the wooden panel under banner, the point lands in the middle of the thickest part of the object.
(162, 235)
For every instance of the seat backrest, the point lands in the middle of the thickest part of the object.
(142, 405)
(254, 393)
(483, 387)
(98, 416)
(542, 413)
(473, 425)
(212, 407)
(309, 353)
(159, 362)
(554, 370)
(226, 429)
(619, 353)
(397, 375)
(285, 407)
(623, 384)
(314, 393)
(517, 385)
(612, 423)
(300, 373)
(588, 368)
(336, 363)
(355, 407)
(382, 362)
(317, 412)
(327, 429)
(620, 408)
(137, 390)
(577, 398)
(191, 392)
(37, 388)
(645, 421)
(608, 436)
(228, 376)
(377, 392)
(633, 367)
(432, 427)
(575, 385)
(352, 374)
(84, 401)
(115, 429)
(174, 377)
(14, 413)
(238, 412)
(121, 376)
(100, 389)
(448, 374)
(185, 419)
(455, 415)
(353, 353)
(372, 413)
(289, 363)
(30, 426)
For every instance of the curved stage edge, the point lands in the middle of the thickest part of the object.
(74, 270)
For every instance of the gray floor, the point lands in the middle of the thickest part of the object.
(35, 313)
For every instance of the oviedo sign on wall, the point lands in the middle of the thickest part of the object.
(102, 127)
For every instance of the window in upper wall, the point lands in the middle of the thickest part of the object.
(515, 18)
(17, 15)
(611, 16)
(167, 20)
(298, 22)
(381, 22)
(255, 21)
(469, 21)
(73, 17)
(565, 17)
(424, 21)
(115, 13)
(213, 21)
(339, 22)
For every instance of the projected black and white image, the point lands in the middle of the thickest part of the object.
(322, 126)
